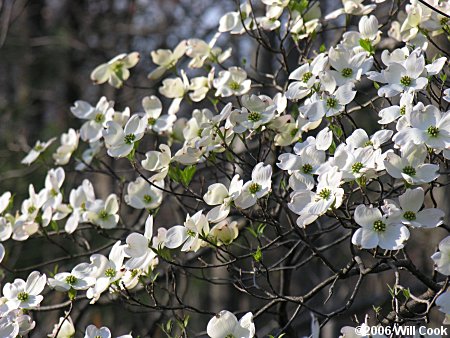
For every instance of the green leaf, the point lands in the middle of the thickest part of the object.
(322, 48)
(169, 325)
(186, 321)
(337, 131)
(257, 255)
(260, 229)
(298, 5)
(72, 293)
(294, 111)
(252, 231)
(332, 148)
(174, 174)
(406, 293)
(130, 156)
(366, 45)
(187, 174)
(54, 226)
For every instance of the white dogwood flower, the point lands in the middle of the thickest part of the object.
(106, 270)
(409, 212)
(377, 230)
(306, 77)
(232, 21)
(143, 195)
(225, 324)
(392, 113)
(103, 213)
(202, 52)
(64, 281)
(410, 166)
(120, 141)
(189, 234)
(166, 59)
(78, 199)
(97, 117)
(158, 161)
(25, 295)
(401, 77)
(219, 195)
(331, 103)
(155, 122)
(430, 127)
(256, 112)
(443, 303)
(259, 186)
(232, 82)
(348, 67)
(51, 194)
(116, 70)
(310, 205)
(354, 7)
(224, 232)
(175, 88)
(63, 329)
(37, 150)
(442, 257)
(302, 166)
(69, 143)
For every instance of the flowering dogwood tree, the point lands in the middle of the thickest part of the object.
(269, 183)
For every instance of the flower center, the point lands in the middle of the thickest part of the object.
(356, 167)
(103, 214)
(230, 336)
(117, 67)
(332, 102)
(151, 121)
(325, 193)
(147, 199)
(191, 233)
(31, 209)
(347, 72)
(368, 143)
(405, 81)
(306, 77)
(99, 118)
(110, 272)
(129, 138)
(71, 279)
(254, 188)
(379, 226)
(38, 147)
(307, 168)
(234, 85)
(402, 110)
(409, 215)
(433, 131)
(53, 192)
(408, 170)
(254, 116)
(22, 296)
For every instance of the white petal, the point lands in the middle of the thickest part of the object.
(366, 216)
(412, 199)
(175, 236)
